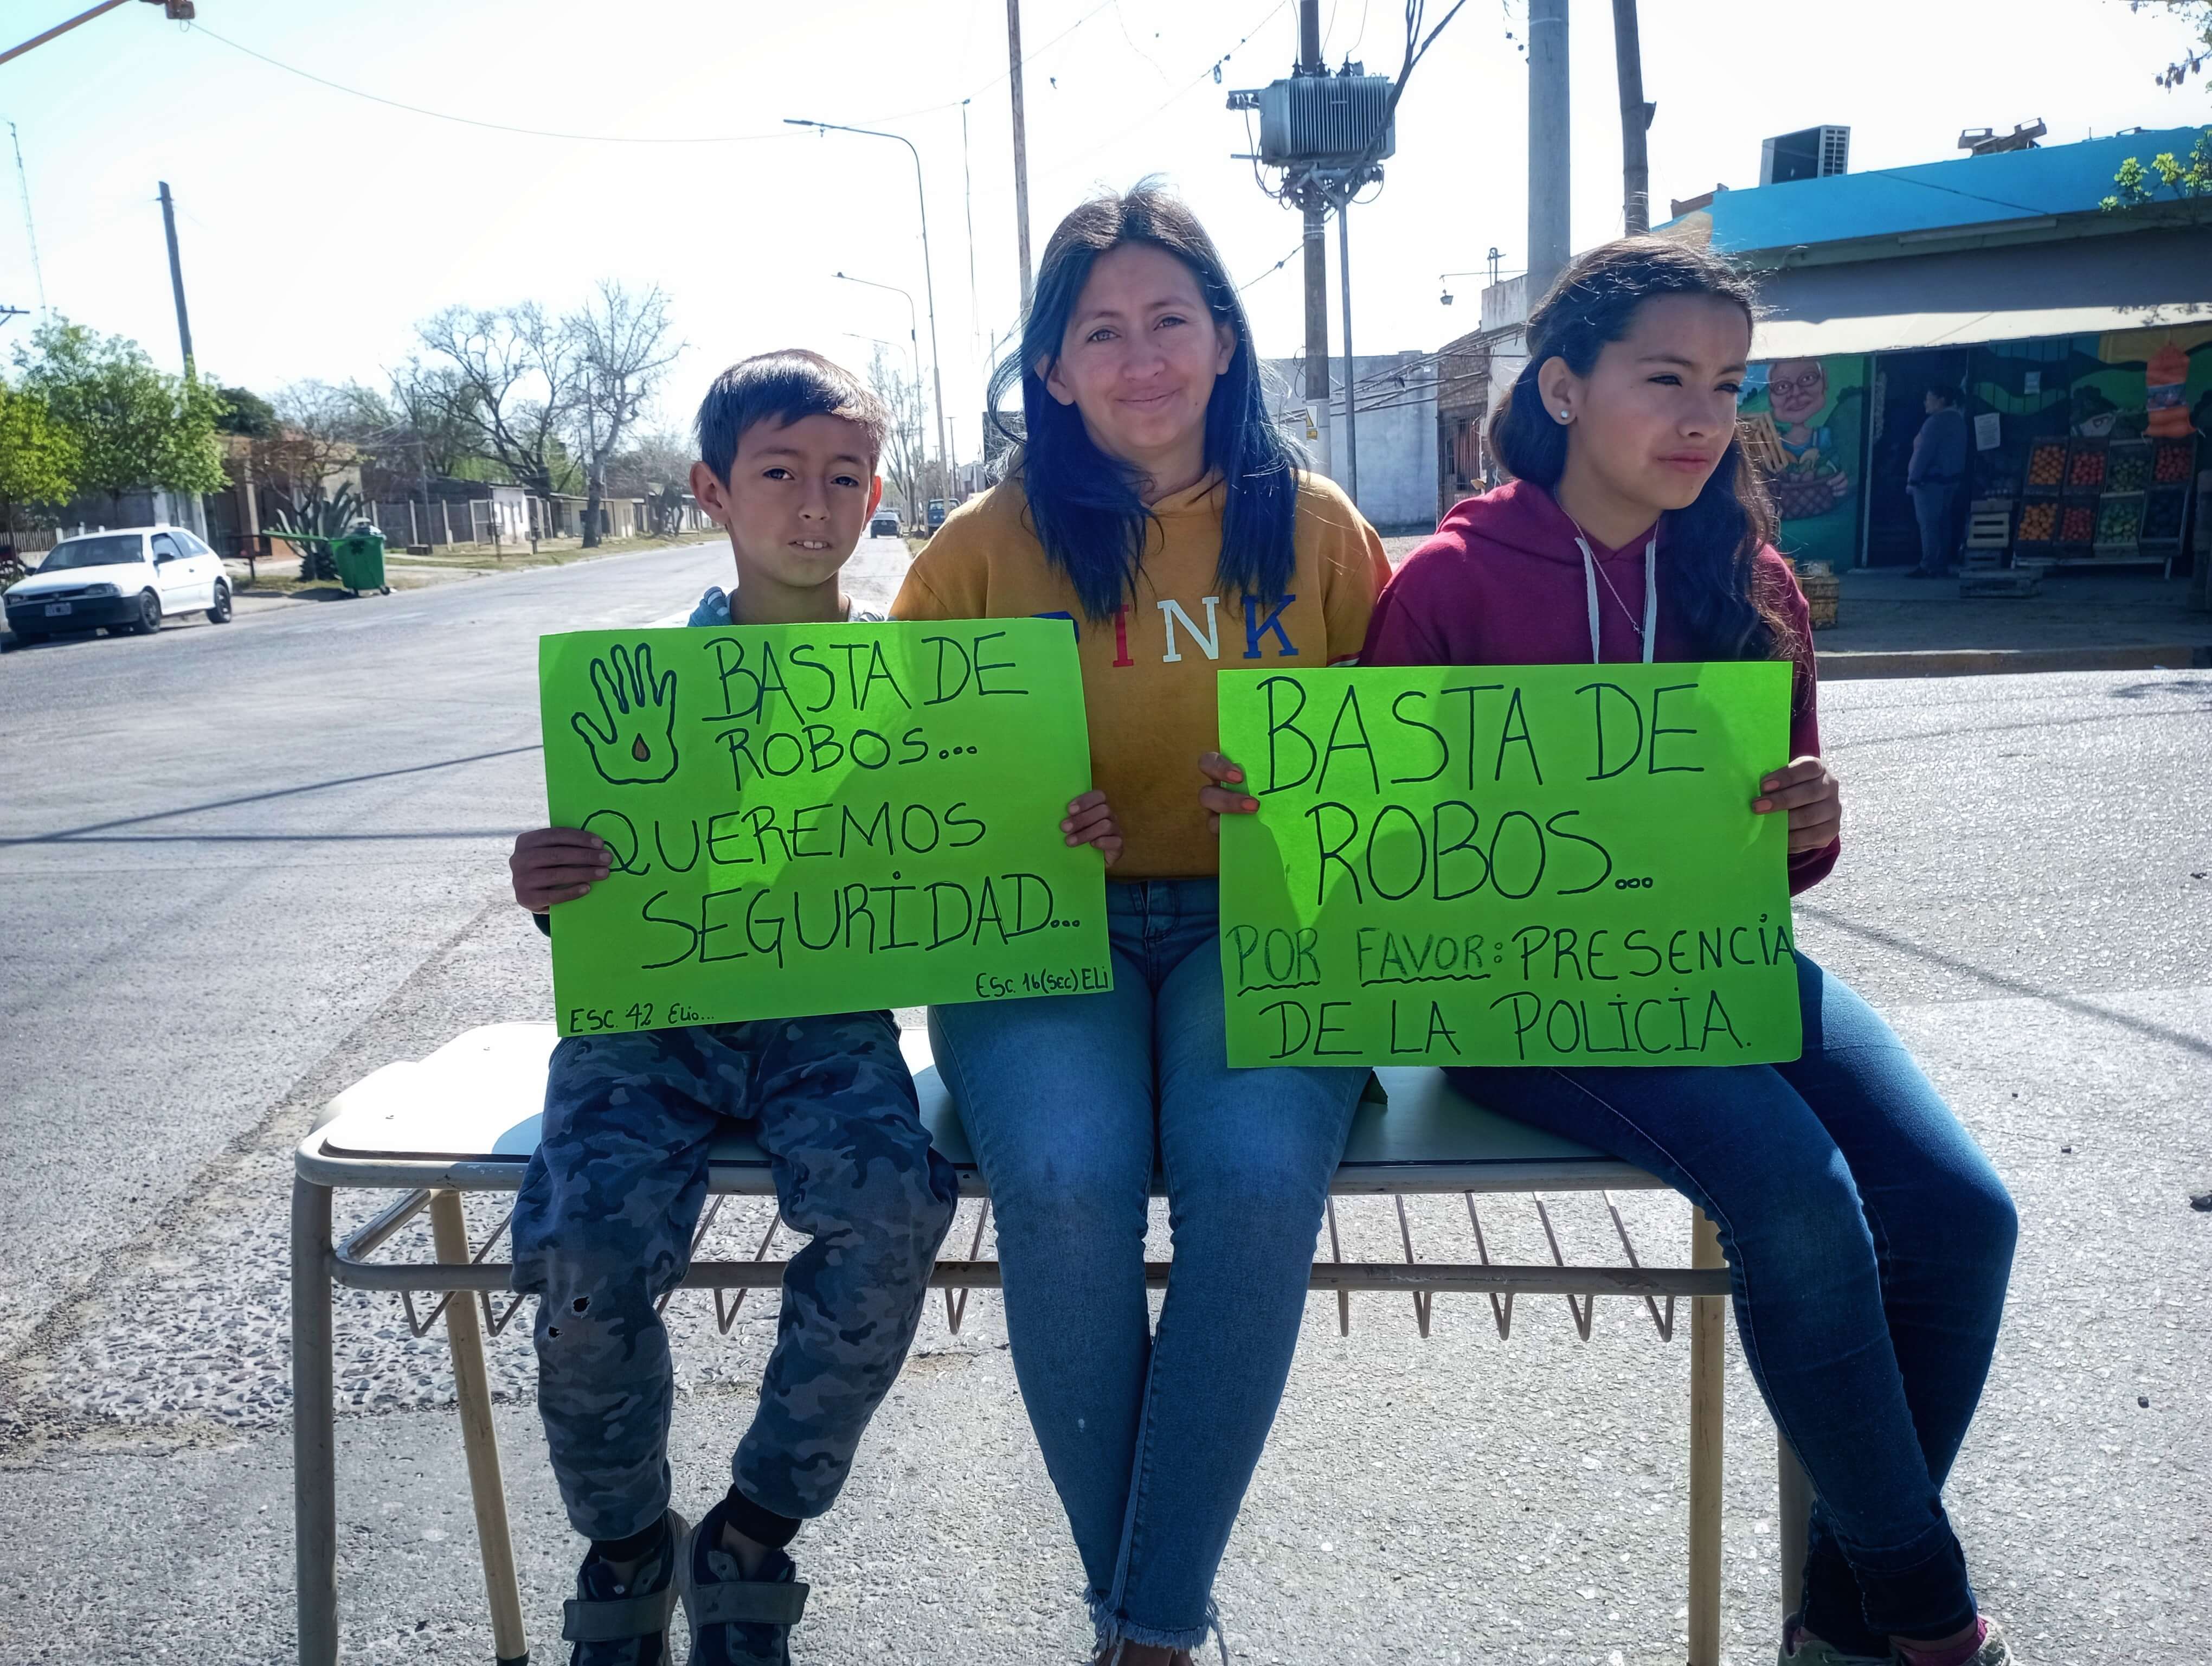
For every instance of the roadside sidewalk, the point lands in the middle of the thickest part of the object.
(1890, 625)
(277, 583)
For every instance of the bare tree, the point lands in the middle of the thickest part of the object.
(909, 471)
(508, 379)
(622, 348)
(309, 466)
(656, 467)
(431, 417)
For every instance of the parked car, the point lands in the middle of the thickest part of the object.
(127, 579)
(884, 524)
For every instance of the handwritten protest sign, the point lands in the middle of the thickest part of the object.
(820, 818)
(1507, 866)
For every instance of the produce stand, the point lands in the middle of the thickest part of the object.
(2117, 502)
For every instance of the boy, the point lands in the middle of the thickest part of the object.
(787, 447)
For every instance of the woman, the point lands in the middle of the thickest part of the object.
(1155, 506)
(1868, 1240)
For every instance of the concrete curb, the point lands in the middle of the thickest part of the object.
(1847, 666)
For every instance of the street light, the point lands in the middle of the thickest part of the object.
(928, 278)
(913, 340)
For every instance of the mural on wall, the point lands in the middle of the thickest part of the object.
(2113, 386)
(1811, 414)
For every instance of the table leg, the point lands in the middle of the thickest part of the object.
(1793, 1512)
(479, 1440)
(315, 1437)
(1708, 1362)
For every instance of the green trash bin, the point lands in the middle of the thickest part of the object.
(359, 557)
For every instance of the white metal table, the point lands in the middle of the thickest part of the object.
(466, 1119)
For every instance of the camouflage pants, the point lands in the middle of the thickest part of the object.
(603, 1228)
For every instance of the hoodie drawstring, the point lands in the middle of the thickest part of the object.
(1650, 595)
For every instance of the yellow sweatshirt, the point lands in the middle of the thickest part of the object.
(1148, 671)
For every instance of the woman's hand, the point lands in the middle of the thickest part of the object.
(1226, 795)
(555, 865)
(1814, 799)
(1091, 821)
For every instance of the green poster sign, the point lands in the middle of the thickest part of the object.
(1507, 866)
(820, 818)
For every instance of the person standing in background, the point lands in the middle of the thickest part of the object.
(1936, 472)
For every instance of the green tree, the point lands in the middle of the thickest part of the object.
(38, 457)
(2165, 175)
(134, 426)
(245, 412)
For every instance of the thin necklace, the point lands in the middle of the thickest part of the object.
(1634, 623)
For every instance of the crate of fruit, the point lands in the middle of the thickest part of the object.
(2077, 522)
(2164, 510)
(2174, 462)
(2085, 466)
(2119, 522)
(2039, 523)
(2128, 466)
(2046, 467)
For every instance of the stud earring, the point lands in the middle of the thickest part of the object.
(1565, 417)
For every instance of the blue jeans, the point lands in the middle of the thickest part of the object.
(1931, 508)
(1070, 1102)
(1868, 1242)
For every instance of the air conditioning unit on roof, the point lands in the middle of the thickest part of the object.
(1812, 152)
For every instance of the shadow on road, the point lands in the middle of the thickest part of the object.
(62, 836)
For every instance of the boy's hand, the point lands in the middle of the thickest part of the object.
(1813, 798)
(1091, 821)
(1226, 797)
(555, 865)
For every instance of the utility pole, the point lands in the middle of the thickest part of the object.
(1550, 172)
(1316, 259)
(177, 278)
(1635, 120)
(1350, 375)
(968, 193)
(1021, 145)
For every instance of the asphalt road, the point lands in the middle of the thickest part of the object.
(244, 865)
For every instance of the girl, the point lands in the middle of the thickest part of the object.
(1155, 507)
(1868, 1239)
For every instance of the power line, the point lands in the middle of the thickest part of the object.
(1294, 249)
(1212, 70)
(471, 121)
(617, 138)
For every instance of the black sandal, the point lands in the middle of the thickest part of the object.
(751, 1618)
(624, 1615)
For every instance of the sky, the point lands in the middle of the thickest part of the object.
(317, 225)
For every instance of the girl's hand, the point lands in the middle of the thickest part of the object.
(1814, 799)
(1091, 821)
(555, 865)
(1226, 796)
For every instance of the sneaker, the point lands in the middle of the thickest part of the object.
(1994, 1650)
(734, 1621)
(624, 1622)
(1801, 1648)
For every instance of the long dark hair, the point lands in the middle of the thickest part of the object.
(1713, 546)
(1085, 506)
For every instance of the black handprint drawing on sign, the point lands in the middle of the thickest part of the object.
(636, 745)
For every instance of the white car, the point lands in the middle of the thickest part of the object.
(126, 580)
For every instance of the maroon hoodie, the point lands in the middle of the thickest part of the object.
(1501, 584)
